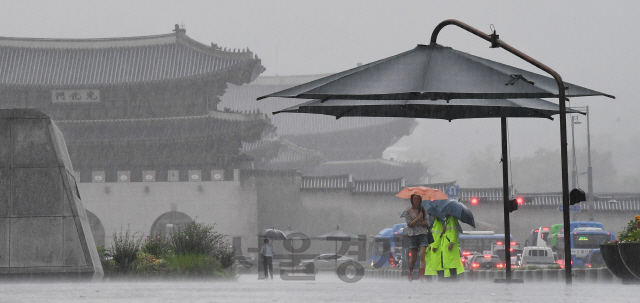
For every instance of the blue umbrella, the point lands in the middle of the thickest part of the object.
(456, 209)
(432, 211)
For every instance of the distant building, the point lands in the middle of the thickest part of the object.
(318, 144)
(138, 114)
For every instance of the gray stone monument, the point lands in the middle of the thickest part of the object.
(44, 231)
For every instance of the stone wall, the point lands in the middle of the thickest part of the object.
(137, 205)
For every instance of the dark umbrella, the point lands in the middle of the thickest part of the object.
(337, 235)
(438, 109)
(432, 72)
(456, 209)
(272, 233)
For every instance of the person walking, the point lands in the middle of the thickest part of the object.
(417, 230)
(267, 259)
(435, 253)
(450, 248)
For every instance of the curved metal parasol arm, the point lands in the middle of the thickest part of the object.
(495, 43)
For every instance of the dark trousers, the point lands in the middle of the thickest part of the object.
(452, 271)
(267, 262)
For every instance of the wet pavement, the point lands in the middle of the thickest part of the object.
(325, 288)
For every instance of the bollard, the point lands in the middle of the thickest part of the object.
(591, 274)
(604, 275)
(482, 275)
(527, 275)
(550, 275)
(536, 275)
(518, 274)
(500, 274)
(578, 274)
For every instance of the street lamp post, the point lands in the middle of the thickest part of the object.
(574, 168)
(589, 168)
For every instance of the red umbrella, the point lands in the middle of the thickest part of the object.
(426, 193)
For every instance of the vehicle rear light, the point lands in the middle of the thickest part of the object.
(513, 243)
(535, 231)
(474, 200)
(475, 265)
(466, 253)
(499, 243)
(589, 265)
(391, 263)
(500, 265)
(463, 260)
(510, 249)
(487, 256)
(545, 228)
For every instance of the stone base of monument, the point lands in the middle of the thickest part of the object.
(44, 231)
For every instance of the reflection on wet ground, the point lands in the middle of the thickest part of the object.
(325, 288)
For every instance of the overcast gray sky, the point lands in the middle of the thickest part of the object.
(589, 43)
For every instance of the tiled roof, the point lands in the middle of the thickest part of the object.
(159, 129)
(379, 186)
(485, 193)
(347, 182)
(327, 182)
(94, 62)
(243, 98)
(380, 168)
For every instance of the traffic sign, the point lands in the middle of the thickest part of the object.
(575, 208)
(452, 191)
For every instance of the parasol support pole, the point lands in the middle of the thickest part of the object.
(505, 193)
(496, 42)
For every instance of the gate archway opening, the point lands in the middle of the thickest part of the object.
(97, 229)
(169, 222)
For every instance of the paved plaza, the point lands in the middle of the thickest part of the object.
(326, 288)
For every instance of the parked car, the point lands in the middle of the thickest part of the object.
(538, 256)
(323, 261)
(478, 262)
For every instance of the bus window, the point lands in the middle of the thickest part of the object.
(589, 241)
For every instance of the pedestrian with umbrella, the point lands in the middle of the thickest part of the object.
(266, 251)
(450, 246)
(417, 227)
(267, 259)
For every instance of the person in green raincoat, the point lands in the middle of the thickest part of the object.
(434, 254)
(450, 247)
(427, 260)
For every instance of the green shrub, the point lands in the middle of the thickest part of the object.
(158, 246)
(195, 238)
(106, 260)
(124, 251)
(148, 265)
(196, 266)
